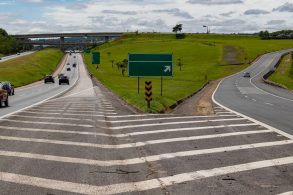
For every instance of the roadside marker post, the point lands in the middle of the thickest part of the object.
(148, 93)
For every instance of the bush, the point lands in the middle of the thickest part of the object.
(180, 36)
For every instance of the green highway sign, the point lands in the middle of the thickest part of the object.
(96, 58)
(140, 65)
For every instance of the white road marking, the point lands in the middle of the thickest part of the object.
(173, 123)
(167, 118)
(287, 193)
(140, 160)
(185, 129)
(55, 118)
(73, 111)
(253, 100)
(249, 118)
(268, 104)
(136, 144)
(224, 112)
(140, 185)
(67, 114)
(46, 123)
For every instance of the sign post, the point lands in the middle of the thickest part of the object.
(150, 65)
(148, 93)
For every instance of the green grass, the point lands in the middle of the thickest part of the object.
(284, 72)
(202, 56)
(27, 69)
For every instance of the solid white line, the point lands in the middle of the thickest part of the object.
(140, 160)
(136, 144)
(141, 115)
(174, 123)
(287, 193)
(140, 185)
(186, 129)
(224, 113)
(66, 114)
(167, 118)
(249, 118)
(268, 104)
(55, 118)
(46, 123)
(73, 94)
(56, 131)
(70, 111)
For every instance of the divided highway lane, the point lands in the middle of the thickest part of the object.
(6, 58)
(256, 99)
(28, 96)
(86, 142)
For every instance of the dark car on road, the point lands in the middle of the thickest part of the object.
(49, 79)
(3, 95)
(74, 65)
(9, 87)
(68, 69)
(246, 74)
(60, 75)
(63, 79)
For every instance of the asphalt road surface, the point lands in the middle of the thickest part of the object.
(88, 142)
(256, 99)
(34, 94)
(6, 58)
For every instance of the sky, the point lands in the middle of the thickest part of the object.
(222, 16)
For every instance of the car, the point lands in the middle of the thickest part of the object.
(246, 74)
(3, 95)
(63, 79)
(49, 79)
(0, 58)
(68, 63)
(60, 75)
(74, 65)
(9, 87)
(18, 54)
(74, 56)
(68, 69)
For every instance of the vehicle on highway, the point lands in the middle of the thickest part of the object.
(63, 79)
(9, 87)
(18, 54)
(60, 75)
(49, 79)
(74, 65)
(3, 95)
(246, 74)
(68, 69)
(0, 58)
(68, 63)
(74, 56)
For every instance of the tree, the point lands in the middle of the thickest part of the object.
(179, 63)
(3, 32)
(265, 35)
(112, 62)
(177, 28)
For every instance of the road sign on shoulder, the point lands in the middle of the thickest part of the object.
(150, 65)
(96, 58)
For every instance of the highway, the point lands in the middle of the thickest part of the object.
(28, 96)
(6, 58)
(256, 99)
(88, 141)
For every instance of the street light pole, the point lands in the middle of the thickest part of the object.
(208, 31)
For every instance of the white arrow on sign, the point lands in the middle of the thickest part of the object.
(167, 69)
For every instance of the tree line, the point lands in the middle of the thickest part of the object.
(8, 44)
(283, 34)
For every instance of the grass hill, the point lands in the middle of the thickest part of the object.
(204, 57)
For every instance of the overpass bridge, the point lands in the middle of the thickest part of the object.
(34, 39)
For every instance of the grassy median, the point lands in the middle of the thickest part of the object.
(204, 57)
(284, 72)
(27, 69)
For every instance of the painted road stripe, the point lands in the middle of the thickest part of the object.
(69, 111)
(136, 144)
(66, 114)
(140, 185)
(287, 193)
(167, 118)
(122, 135)
(141, 159)
(46, 123)
(173, 123)
(55, 118)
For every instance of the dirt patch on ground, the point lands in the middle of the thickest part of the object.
(199, 104)
(231, 55)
